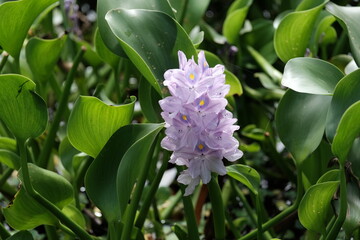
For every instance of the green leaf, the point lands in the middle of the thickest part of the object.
(311, 75)
(14, 32)
(294, 31)
(246, 175)
(10, 159)
(350, 16)
(74, 214)
(235, 18)
(352, 221)
(149, 102)
(300, 120)
(40, 61)
(103, 52)
(315, 206)
(196, 36)
(252, 132)
(332, 175)
(92, 122)
(66, 154)
(106, 5)
(101, 178)
(25, 213)
(21, 109)
(346, 93)
(347, 131)
(8, 144)
(21, 235)
(151, 40)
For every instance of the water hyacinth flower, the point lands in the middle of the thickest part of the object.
(199, 130)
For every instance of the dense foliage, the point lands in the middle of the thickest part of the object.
(94, 94)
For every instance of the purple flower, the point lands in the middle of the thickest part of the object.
(199, 130)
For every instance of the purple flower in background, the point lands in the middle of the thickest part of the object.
(199, 130)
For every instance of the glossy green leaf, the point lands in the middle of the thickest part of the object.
(235, 18)
(67, 153)
(92, 122)
(246, 175)
(151, 40)
(10, 159)
(132, 165)
(101, 178)
(300, 120)
(348, 129)
(196, 36)
(149, 101)
(40, 61)
(341, 61)
(211, 33)
(21, 109)
(106, 5)
(350, 16)
(103, 52)
(25, 213)
(332, 175)
(311, 75)
(8, 144)
(13, 32)
(315, 206)
(294, 31)
(21, 235)
(252, 132)
(74, 214)
(346, 93)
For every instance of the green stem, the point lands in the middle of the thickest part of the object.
(3, 60)
(51, 232)
(131, 211)
(334, 231)
(4, 234)
(50, 139)
(17, 65)
(259, 217)
(246, 204)
(7, 173)
(217, 208)
(340, 43)
(151, 193)
(265, 65)
(193, 232)
(64, 15)
(81, 233)
(183, 13)
(78, 181)
(273, 221)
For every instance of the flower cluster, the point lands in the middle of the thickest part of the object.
(199, 128)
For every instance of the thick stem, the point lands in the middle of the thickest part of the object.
(334, 231)
(3, 61)
(81, 233)
(130, 215)
(217, 209)
(151, 194)
(50, 139)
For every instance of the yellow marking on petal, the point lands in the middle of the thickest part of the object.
(201, 103)
(205, 64)
(192, 76)
(200, 146)
(184, 117)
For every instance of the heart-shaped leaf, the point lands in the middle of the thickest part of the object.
(102, 182)
(14, 32)
(21, 109)
(92, 122)
(25, 213)
(235, 18)
(294, 31)
(311, 75)
(350, 16)
(315, 206)
(37, 49)
(246, 175)
(10, 159)
(151, 40)
(347, 131)
(106, 5)
(346, 93)
(300, 120)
